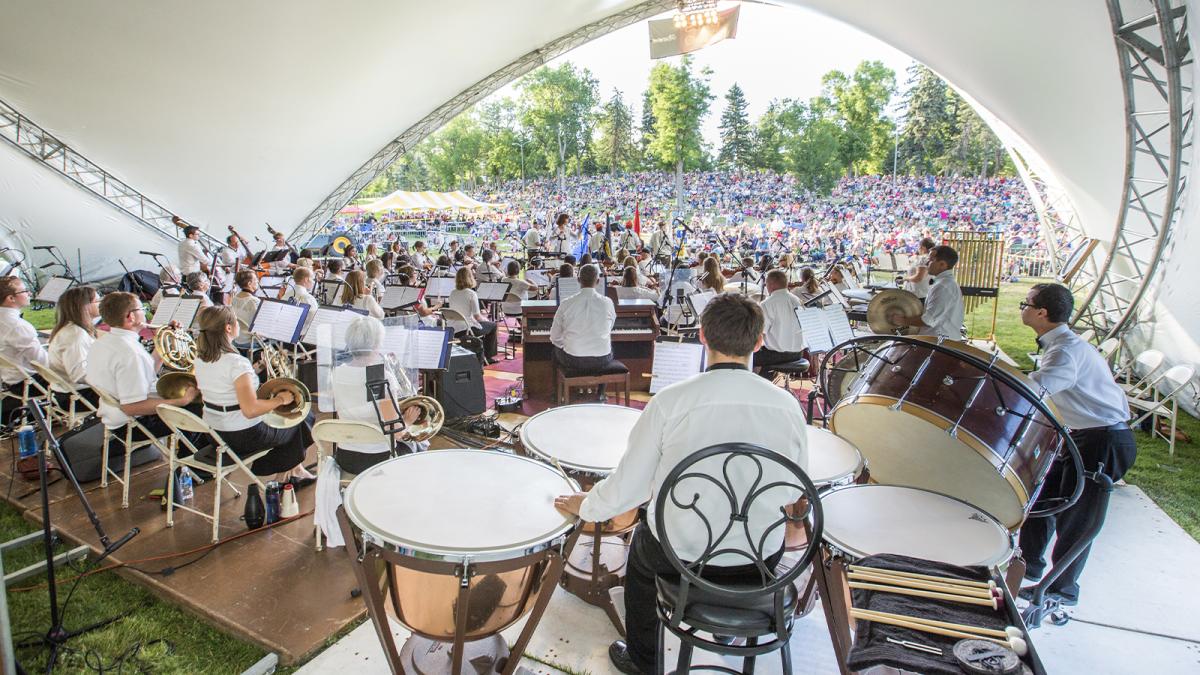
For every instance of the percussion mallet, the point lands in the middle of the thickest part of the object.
(923, 585)
(986, 602)
(1008, 632)
(922, 577)
(1016, 644)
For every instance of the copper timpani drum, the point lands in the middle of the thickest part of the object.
(587, 441)
(944, 416)
(457, 545)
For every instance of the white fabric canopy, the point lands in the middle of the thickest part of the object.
(402, 200)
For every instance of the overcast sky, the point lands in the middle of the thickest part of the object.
(778, 53)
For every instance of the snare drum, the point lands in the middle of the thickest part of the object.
(463, 543)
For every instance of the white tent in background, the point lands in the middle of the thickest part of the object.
(402, 200)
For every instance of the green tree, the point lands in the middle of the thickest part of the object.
(974, 148)
(860, 100)
(455, 153)
(735, 130)
(614, 148)
(929, 122)
(680, 99)
(646, 130)
(557, 106)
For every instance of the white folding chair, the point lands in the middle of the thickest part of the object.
(1144, 368)
(1154, 403)
(333, 432)
(1087, 335)
(182, 422)
(29, 387)
(1109, 347)
(130, 446)
(68, 415)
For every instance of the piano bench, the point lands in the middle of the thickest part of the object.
(566, 384)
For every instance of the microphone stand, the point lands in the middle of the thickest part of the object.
(137, 283)
(57, 636)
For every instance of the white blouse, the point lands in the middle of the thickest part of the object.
(368, 303)
(68, 354)
(216, 385)
(520, 288)
(351, 402)
(466, 302)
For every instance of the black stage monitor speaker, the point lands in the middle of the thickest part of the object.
(460, 386)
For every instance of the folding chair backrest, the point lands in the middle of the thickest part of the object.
(1087, 335)
(347, 431)
(8, 363)
(106, 398)
(1109, 346)
(449, 315)
(1148, 361)
(182, 420)
(1177, 377)
(53, 377)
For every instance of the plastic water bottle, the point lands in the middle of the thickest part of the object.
(272, 496)
(28, 441)
(186, 486)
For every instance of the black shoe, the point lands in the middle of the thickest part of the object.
(1032, 577)
(723, 639)
(1026, 594)
(298, 483)
(618, 653)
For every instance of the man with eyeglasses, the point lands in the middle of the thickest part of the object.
(18, 340)
(1091, 404)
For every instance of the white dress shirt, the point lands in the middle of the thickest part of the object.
(781, 330)
(662, 243)
(228, 257)
(296, 293)
(636, 293)
(520, 288)
(583, 324)
(190, 256)
(561, 242)
(918, 288)
(692, 415)
(1079, 381)
(368, 303)
(19, 342)
(533, 238)
(120, 366)
(419, 260)
(68, 354)
(465, 301)
(944, 307)
(216, 383)
(630, 241)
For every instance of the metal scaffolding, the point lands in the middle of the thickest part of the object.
(340, 197)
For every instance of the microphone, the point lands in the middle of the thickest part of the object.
(42, 248)
(49, 264)
(152, 254)
(121, 542)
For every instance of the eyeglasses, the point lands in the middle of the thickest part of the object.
(1027, 305)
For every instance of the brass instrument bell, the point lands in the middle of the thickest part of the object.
(287, 416)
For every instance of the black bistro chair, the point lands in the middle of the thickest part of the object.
(758, 606)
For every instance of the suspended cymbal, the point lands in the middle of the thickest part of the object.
(891, 301)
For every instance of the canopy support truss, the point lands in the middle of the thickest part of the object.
(41, 146)
(341, 196)
(1155, 61)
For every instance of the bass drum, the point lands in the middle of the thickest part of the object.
(944, 416)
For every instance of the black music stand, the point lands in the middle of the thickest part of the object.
(57, 636)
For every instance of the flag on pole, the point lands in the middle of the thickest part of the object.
(637, 218)
(582, 247)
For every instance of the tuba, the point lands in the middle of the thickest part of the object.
(429, 423)
(177, 349)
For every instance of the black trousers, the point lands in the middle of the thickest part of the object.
(646, 561)
(765, 358)
(585, 364)
(9, 407)
(1116, 449)
(158, 429)
(64, 400)
(486, 334)
(288, 446)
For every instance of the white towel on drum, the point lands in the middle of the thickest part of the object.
(329, 498)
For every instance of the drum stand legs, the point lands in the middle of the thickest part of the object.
(832, 587)
(604, 564)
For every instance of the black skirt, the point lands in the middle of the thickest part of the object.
(288, 446)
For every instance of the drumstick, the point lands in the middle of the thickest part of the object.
(1016, 644)
(923, 585)
(991, 602)
(925, 577)
(990, 632)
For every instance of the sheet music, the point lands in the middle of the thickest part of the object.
(701, 299)
(337, 319)
(567, 286)
(53, 289)
(166, 308)
(537, 278)
(280, 321)
(420, 347)
(185, 313)
(815, 327)
(400, 296)
(675, 362)
(439, 287)
(839, 324)
(493, 290)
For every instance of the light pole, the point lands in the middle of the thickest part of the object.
(895, 152)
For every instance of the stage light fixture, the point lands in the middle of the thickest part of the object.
(696, 13)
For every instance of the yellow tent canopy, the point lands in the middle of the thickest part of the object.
(402, 200)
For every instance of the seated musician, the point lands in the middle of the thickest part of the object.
(18, 341)
(783, 341)
(198, 285)
(231, 406)
(517, 286)
(678, 421)
(642, 280)
(745, 277)
(443, 265)
(356, 294)
(334, 270)
(169, 283)
(488, 270)
(372, 252)
(582, 328)
(944, 310)
(71, 341)
(376, 276)
(464, 300)
(809, 288)
(630, 290)
(712, 279)
(1096, 410)
(300, 290)
(566, 270)
(350, 259)
(244, 303)
(469, 255)
(352, 400)
(419, 258)
(118, 365)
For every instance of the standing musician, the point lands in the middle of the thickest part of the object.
(562, 243)
(630, 241)
(533, 238)
(119, 365)
(582, 328)
(18, 340)
(944, 305)
(1094, 407)
(783, 340)
(231, 405)
(662, 243)
(191, 253)
(232, 252)
(282, 244)
(464, 300)
(71, 341)
(596, 245)
(917, 280)
(678, 421)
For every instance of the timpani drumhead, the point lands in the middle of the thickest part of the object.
(832, 460)
(454, 503)
(590, 437)
(864, 520)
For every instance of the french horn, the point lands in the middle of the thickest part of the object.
(292, 414)
(432, 416)
(177, 349)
